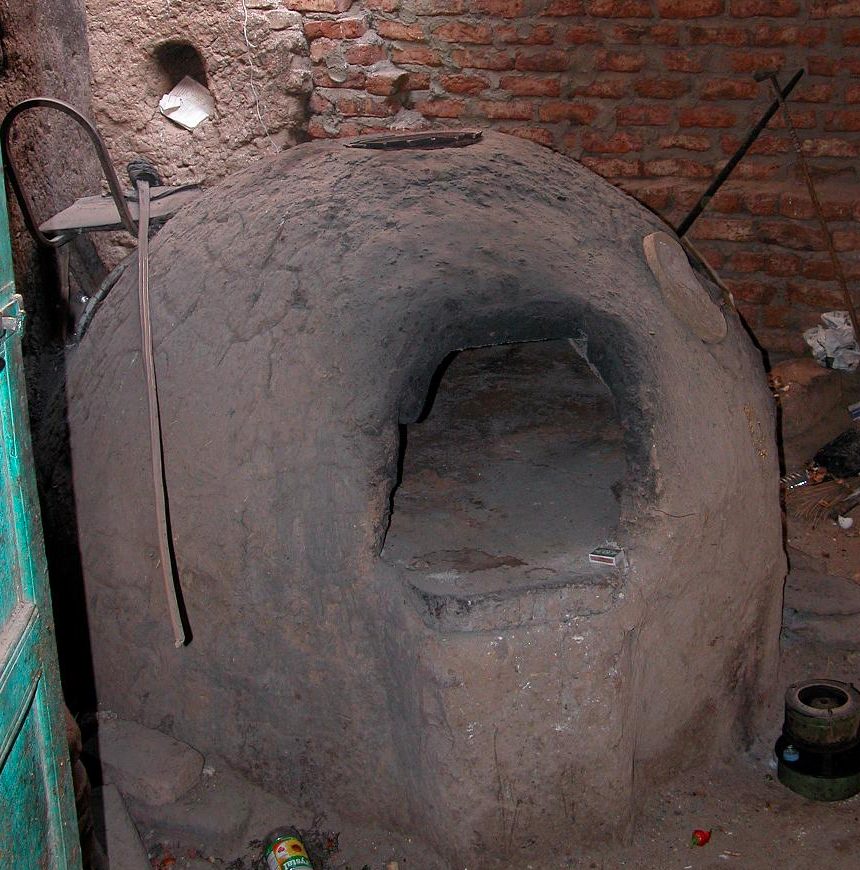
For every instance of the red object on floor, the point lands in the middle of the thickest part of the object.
(700, 837)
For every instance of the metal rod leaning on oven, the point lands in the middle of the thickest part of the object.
(736, 158)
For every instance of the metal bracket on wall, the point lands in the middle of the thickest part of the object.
(118, 210)
(114, 212)
(12, 316)
(123, 213)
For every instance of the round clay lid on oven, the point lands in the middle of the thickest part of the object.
(686, 298)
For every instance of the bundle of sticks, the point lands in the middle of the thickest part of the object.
(813, 501)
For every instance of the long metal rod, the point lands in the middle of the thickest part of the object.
(819, 211)
(155, 443)
(727, 170)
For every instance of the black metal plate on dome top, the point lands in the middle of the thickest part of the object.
(432, 139)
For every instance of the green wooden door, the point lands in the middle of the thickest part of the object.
(38, 826)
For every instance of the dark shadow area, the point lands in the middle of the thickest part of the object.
(49, 322)
(46, 376)
(176, 59)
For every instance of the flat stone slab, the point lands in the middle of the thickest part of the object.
(214, 812)
(144, 764)
(814, 407)
(116, 831)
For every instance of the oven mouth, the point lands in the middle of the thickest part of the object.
(512, 474)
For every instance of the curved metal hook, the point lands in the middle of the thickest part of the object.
(101, 150)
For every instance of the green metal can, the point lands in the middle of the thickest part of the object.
(285, 851)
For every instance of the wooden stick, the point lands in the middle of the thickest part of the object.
(155, 443)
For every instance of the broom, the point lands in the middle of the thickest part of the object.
(816, 500)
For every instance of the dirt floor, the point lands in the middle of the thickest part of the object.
(755, 822)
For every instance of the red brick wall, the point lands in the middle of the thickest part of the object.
(652, 94)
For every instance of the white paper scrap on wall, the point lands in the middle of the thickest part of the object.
(188, 104)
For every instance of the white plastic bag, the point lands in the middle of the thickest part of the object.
(833, 344)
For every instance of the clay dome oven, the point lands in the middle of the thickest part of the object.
(404, 393)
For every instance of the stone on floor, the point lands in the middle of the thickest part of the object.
(214, 812)
(813, 407)
(144, 764)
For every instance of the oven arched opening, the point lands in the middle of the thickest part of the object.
(513, 471)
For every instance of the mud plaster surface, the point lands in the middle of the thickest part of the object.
(258, 85)
(256, 68)
(300, 310)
